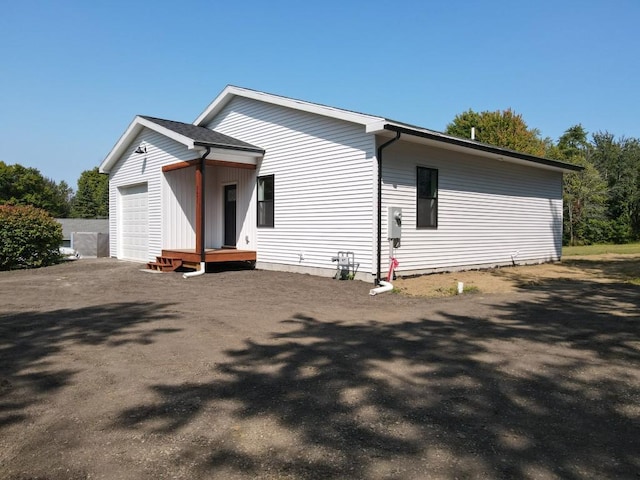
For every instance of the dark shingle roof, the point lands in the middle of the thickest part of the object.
(203, 136)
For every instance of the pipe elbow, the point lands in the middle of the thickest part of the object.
(197, 273)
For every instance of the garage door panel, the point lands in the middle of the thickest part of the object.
(134, 223)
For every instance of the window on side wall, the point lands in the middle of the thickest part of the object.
(265, 201)
(427, 198)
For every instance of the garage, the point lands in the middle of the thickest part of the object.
(134, 208)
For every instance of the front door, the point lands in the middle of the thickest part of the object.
(230, 215)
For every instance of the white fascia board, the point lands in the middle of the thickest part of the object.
(131, 133)
(230, 91)
(215, 106)
(236, 156)
(501, 158)
(378, 129)
(121, 145)
(186, 141)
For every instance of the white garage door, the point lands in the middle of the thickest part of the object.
(133, 224)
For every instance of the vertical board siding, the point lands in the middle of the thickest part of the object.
(487, 210)
(179, 209)
(132, 169)
(245, 179)
(323, 194)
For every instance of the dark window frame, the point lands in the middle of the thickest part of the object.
(268, 203)
(432, 197)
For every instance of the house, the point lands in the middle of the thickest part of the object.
(287, 184)
(89, 237)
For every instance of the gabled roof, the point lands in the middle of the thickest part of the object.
(383, 126)
(203, 136)
(232, 91)
(191, 136)
(197, 135)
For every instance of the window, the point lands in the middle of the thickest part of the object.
(427, 198)
(265, 201)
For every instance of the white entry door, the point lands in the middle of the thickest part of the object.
(134, 220)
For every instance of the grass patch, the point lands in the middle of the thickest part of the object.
(601, 249)
(453, 291)
(469, 289)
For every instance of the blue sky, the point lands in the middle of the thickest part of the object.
(74, 74)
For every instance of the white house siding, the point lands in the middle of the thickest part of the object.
(323, 197)
(488, 211)
(245, 179)
(179, 206)
(179, 209)
(133, 169)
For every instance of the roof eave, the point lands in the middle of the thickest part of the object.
(257, 151)
(121, 145)
(130, 134)
(489, 150)
(139, 123)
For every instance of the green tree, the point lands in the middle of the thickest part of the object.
(505, 129)
(584, 201)
(574, 143)
(27, 186)
(92, 197)
(618, 160)
(64, 194)
(584, 192)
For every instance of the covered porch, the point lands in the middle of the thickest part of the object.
(212, 255)
(172, 259)
(207, 202)
(215, 211)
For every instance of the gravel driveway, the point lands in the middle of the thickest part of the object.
(107, 372)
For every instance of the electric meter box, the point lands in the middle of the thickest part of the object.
(394, 218)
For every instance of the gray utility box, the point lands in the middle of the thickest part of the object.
(90, 244)
(395, 222)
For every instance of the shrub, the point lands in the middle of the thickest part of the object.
(29, 238)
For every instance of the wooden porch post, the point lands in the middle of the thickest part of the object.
(200, 166)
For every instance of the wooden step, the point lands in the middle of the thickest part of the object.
(165, 264)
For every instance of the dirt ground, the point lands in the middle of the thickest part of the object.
(107, 372)
(606, 268)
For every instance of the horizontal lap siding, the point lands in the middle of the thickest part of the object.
(487, 210)
(134, 168)
(323, 172)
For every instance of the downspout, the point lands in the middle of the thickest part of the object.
(203, 257)
(379, 155)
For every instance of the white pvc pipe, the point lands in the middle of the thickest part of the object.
(384, 287)
(196, 273)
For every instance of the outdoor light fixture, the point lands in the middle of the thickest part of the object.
(141, 149)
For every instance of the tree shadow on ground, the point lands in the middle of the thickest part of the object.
(619, 268)
(29, 340)
(573, 270)
(543, 387)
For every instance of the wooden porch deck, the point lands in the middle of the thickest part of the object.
(212, 255)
